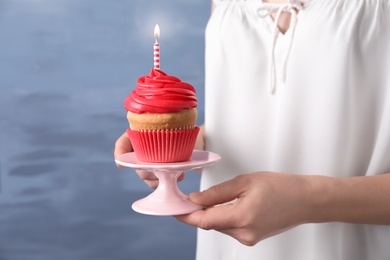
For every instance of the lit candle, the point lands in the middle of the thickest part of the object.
(156, 47)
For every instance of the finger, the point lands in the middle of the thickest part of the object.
(218, 218)
(122, 145)
(152, 183)
(224, 220)
(150, 179)
(146, 175)
(218, 194)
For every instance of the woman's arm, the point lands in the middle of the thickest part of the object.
(363, 199)
(263, 204)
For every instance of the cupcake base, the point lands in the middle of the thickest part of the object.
(163, 146)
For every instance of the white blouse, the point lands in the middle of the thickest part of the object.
(315, 100)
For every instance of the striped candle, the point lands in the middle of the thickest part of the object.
(156, 47)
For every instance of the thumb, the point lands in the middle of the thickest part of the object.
(218, 194)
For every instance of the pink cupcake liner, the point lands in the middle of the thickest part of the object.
(163, 146)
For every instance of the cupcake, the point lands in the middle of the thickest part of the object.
(162, 116)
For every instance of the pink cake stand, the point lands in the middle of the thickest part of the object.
(167, 199)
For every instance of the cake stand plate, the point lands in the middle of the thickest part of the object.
(167, 199)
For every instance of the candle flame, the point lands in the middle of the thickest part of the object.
(156, 31)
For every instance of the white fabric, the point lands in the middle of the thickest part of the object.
(292, 6)
(330, 116)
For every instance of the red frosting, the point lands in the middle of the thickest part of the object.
(160, 93)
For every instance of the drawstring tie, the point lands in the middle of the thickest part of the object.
(292, 6)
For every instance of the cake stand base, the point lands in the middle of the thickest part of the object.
(167, 199)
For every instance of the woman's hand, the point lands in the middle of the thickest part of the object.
(252, 207)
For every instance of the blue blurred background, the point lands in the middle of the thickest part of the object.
(65, 68)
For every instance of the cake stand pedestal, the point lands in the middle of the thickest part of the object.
(167, 199)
